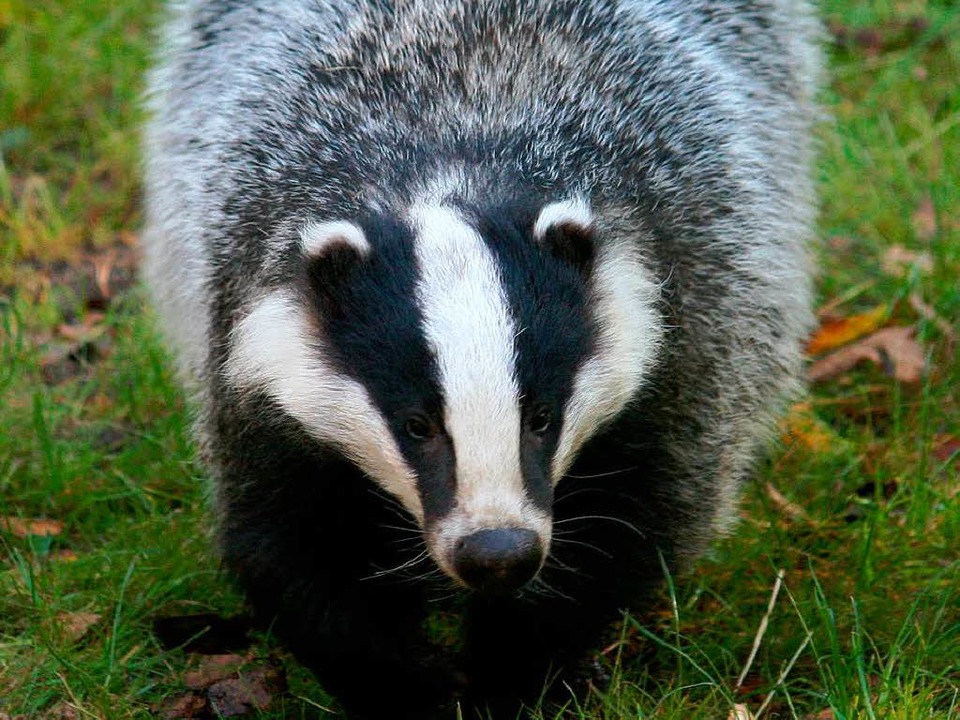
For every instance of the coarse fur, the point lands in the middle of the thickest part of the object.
(476, 212)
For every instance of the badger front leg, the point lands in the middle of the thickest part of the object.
(305, 536)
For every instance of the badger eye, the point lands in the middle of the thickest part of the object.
(540, 421)
(419, 428)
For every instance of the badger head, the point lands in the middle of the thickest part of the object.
(460, 359)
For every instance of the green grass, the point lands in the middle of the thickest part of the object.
(868, 614)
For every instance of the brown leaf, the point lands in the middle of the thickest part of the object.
(874, 40)
(102, 267)
(924, 220)
(833, 334)
(946, 447)
(183, 707)
(822, 715)
(212, 669)
(802, 427)
(897, 261)
(24, 527)
(253, 690)
(61, 711)
(895, 349)
(75, 625)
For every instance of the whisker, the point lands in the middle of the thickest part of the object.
(543, 589)
(619, 521)
(438, 599)
(565, 541)
(412, 530)
(398, 569)
(553, 562)
(611, 473)
(578, 491)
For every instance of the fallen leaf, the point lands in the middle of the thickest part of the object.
(822, 715)
(874, 40)
(183, 707)
(928, 313)
(75, 625)
(946, 448)
(230, 698)
(102, 267)
(60, 711)
(924, 220)
(24, 527)
(212, 669)
(840, 243)
(897, 261)
(894, 349)
(740, 712)
(802, 427)
(253, 690)
(833, 334)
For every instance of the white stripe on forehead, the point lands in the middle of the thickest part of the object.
(275, 349)
(470, 330)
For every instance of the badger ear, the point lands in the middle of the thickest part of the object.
(331, 249)
(566, 229)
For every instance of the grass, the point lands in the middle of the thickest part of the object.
(95, 433)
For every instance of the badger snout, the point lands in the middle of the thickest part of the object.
(499, 559)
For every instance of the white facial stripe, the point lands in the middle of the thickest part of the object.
(274, 349)
(573, 212)
(630, 332)
(318, 237)
(470, 330)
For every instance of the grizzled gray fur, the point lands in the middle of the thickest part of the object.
(684, 125)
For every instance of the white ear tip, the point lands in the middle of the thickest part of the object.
(318, 237)
(575, 211)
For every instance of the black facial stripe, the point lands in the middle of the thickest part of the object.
(548, 299)
(374, 331)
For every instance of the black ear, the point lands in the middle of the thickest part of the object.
(331, 250)
(565, 228)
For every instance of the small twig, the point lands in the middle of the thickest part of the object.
(762, 629)
(783, 675)
(783, 504)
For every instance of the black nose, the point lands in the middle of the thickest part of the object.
(498, 560)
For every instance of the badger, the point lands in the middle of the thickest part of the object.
(483, 304)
